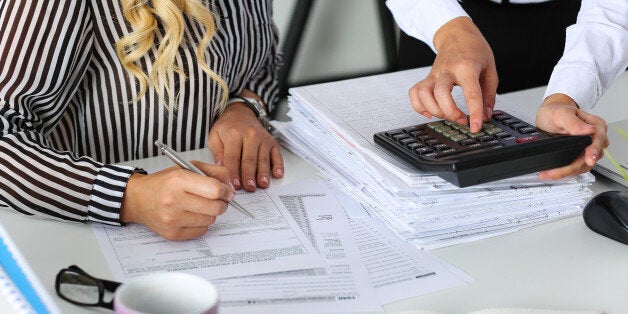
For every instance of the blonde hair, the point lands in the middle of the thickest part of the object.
(144, 17)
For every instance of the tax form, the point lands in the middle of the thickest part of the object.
(368, 265)
(235, 245)
(341, 286)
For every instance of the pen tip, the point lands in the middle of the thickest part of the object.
(159, 143)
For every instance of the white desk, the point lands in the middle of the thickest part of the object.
(560, 265)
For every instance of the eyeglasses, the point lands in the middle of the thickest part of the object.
(77, 287)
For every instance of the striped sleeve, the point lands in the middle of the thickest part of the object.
(45, 47)
(265, 83)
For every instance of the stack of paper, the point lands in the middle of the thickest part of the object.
(301, 254)
(332, 127)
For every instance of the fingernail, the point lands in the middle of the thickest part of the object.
(264, 179)
(236, 183)
(279, 172)
(594, 156)
(219, 163)
(231, 186)
(475, 127)
(250, 182)
(489, 112)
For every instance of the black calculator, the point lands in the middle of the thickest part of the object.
(505, 147)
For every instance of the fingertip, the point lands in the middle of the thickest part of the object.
(250, 185)
(279, 173)
(544, 175)
(236, 183)
(264, 182)
(230, 195)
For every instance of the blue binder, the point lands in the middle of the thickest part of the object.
(16, 286)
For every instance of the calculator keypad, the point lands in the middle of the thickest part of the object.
(446, 138)
(504, 147)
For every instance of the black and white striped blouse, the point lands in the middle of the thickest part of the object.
(66, 110)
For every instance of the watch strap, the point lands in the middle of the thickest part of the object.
(257, 107)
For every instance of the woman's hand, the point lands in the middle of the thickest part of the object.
(464, 58)
(239, 142)
(175, 203)
(560, 114)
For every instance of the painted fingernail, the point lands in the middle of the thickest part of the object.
(264, 179)
(279, 172)
(236, 183)
(250, 182)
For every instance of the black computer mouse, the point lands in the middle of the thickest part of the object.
(607, 214)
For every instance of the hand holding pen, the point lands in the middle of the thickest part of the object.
(183, 163)
(175, 203)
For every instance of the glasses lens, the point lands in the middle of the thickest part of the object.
(79, 288)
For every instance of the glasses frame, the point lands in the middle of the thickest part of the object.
(103, 285)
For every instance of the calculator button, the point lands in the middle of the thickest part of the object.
(391, 134)
(423, 150)
(401, 136)
(487, 125)
(448, 152)
(464, 129)
(509, 121)
(502, 135)
(450, 133)
(442, 128)
(424, 137)
(476, 135)
(527, 130)
(415, 145)
(518, 125)
(500, 117)
(432, 142)
(458, 137)
(491, 143)
(485, 138)
(407, 141)
(433, 125)
(493, 131)
(527, 139)
(440, 147)
(467, 142)
(418, 132)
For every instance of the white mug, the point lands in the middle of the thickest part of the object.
(166, 293)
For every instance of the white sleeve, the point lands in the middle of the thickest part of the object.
(596, 52)
(422, 18)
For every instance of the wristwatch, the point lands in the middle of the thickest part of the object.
(257, 107)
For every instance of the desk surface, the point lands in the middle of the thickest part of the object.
(559, 265)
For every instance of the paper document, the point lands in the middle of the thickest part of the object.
(618, 150)
(332, 128)
(341, 286)
(234, 246)
(368, 264)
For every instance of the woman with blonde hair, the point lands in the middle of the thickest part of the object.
(88, 84)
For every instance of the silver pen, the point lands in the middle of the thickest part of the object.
(183, 163)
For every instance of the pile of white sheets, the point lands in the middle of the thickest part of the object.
(332, 128)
